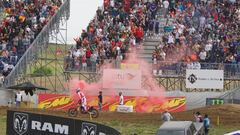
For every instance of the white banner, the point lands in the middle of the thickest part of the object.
(124, 108)
(204, 79)
(122, 79)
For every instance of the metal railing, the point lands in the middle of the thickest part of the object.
(90, 66)
(168, 68)
(38, 44)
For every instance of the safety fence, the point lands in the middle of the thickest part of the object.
(166, 68)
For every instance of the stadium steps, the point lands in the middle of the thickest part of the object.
(151, 41)
(148, 48)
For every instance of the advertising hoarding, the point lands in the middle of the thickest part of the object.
(26, 123)
(204, 79)
(110, 103)
(122, 79)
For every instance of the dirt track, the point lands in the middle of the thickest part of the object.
(228, 114)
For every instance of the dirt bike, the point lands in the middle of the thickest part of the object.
(73, 112)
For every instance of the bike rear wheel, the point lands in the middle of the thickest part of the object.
(72, 112)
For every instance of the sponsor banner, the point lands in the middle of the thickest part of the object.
(110, 103)
(129, 66)
(25, 123)
(125, 108)
(122, 79)
(204, 79)
(54, 101)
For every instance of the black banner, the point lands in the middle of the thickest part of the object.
(25, 123)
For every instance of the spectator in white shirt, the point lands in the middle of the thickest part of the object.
(165, 5)
(203, 55)
(170, 39)
(166, 116)
(18, 99)
(208, 47)
(190, 65)
(196, 65)
(163, 55)
(121, 99)
(76, 53)
(202, 20)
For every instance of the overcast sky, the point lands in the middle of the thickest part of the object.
(82, 11)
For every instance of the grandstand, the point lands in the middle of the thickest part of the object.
(146, 19)
(172, 59)
(24, 49)
(187, 50)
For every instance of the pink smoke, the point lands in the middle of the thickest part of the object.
(150, 87)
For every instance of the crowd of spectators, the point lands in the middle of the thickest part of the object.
(22, 21)
(118, 26)
(205, 31)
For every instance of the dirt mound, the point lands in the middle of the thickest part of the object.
(228, 115)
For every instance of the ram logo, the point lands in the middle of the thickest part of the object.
(20, 123)
(89, 129)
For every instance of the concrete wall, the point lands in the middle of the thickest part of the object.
(5, 96)
(9, 95)
(195, 99)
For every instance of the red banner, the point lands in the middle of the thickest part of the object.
(140, 104)
(55, 101)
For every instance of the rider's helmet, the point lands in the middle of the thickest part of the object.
(78, 90)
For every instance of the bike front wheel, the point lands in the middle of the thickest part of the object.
(94, 113)
(72, 112)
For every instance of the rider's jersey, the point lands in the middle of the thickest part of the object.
(84, 100)
(80, 94)
(82, 97)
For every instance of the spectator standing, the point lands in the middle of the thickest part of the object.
(202, 56)
(121, 99)
(165, 5)
(68, 61)
(166, 116)
(84, 63)
(18, 99)
(206, 124)
(100, 100)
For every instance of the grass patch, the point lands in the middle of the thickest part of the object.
(3, 122)
(48, 58)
